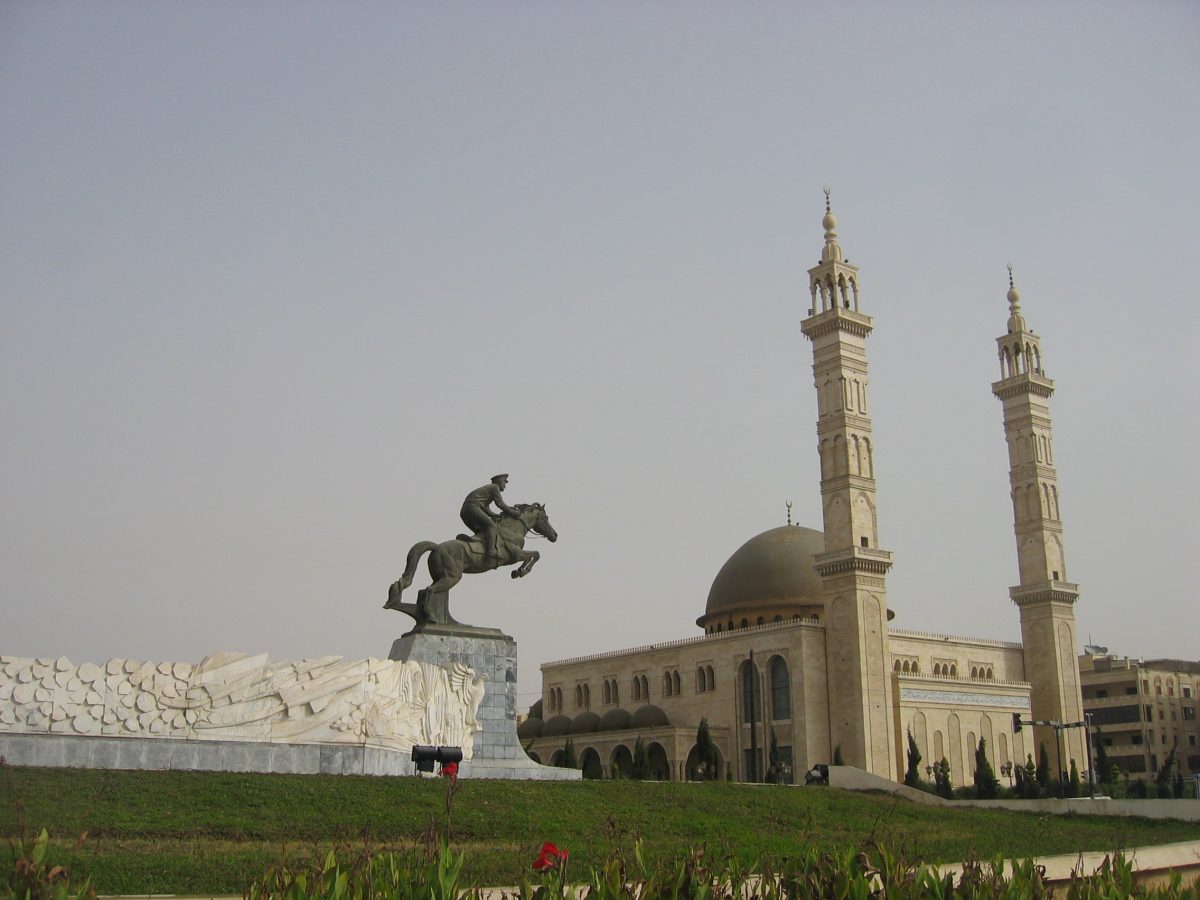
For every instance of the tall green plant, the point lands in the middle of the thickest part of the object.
(986, 784)
(941, 779)
(569, 761)
(706, 753)
(912, 775)
(641, 761)
(1043, 766)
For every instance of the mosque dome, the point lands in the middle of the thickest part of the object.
(770, 578)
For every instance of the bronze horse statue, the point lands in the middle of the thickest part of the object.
(450, 560)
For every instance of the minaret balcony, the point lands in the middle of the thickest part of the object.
(853, 559)
(1024, 383)
(837, 318)
(1052, 591)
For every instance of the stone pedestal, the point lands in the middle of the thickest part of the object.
(497, 752)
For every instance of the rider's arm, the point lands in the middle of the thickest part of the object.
(499, 501)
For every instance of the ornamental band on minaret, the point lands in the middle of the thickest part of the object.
(852, 567)
(1045, 597)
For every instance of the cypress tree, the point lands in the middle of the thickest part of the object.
(986, 784)
(912, 775)
(706, 751)
(837, 756)
(569, 760)
(1043, 767)
(641, 761)
(941, 777)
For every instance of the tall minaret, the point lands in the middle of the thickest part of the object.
(852, 566)
(1045, 597)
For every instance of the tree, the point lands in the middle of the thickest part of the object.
(1177, 785)
(1073, 783)
(641, 761)
(986, 784)
(941, 779)
(569, 761)
(774, 772)
(1101, 769)
(837, 756)
(1043, 767)
(912, 775)
(1163, 779)
(706, 752)
(1030, 781)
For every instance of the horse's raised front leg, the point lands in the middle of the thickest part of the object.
(527, 558)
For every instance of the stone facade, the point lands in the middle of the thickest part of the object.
(798, 661)
(1140, 709)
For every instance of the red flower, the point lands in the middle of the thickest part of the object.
(550, 858)
(449, 770)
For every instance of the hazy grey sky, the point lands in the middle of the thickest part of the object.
(280, 283)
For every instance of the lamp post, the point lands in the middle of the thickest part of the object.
(1006, 770)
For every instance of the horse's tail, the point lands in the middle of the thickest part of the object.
(414, 559)
(410, 569)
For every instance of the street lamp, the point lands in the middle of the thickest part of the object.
(1006, 770)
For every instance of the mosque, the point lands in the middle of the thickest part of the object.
(797, 663)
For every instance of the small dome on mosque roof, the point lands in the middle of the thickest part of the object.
(649, 716)
(772, 569)
(585, 722)
(615, 720)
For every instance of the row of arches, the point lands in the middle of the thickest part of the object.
(958, 747)
(842, 456)
(618, 763)
(641, 687)
(1033, 447)
(1019, 358)
(611, 693)
(778, 685)
(1035, 502)
(827, 293)
(906, 667)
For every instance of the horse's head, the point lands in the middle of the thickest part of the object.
(534, 517)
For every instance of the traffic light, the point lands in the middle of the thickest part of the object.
(1016, 723)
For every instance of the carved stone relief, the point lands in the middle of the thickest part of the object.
(244, 697)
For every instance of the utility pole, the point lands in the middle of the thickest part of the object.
(1059, 728)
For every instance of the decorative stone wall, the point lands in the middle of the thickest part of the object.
(313, 715)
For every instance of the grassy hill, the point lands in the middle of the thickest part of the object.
(181, 832)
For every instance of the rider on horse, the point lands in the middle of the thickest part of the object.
(479, 518)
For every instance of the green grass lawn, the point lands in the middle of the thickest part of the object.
(180, 832)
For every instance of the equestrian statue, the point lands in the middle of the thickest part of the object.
(498, 540)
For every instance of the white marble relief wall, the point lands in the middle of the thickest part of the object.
(243, 697)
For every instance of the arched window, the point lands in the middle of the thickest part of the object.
(752, 710)
(700, 680)
(578, 696)
(607, 692)
(666, 684)
(710, 682)
(974, 672)
(953, 670)
(637, 688)
(676, 689)
(896, 666)
(989, 672)
(645, 688)
(719, 628)
(781, 693)
(937, 668)
(745, 623)
(915, 667)
(905, 667)
(616, 692)
(779, 618)
(587, 697)
(761, 621)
